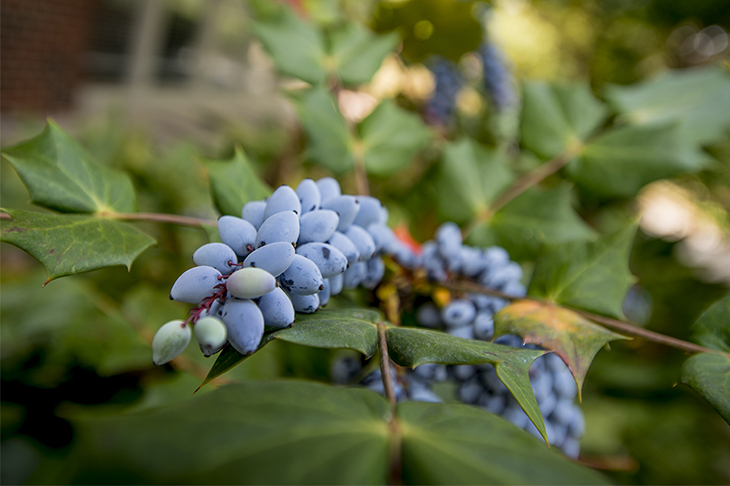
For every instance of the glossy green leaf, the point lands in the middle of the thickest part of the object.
(414, 347)
(295, 45)
(391, 137)
(592, 275)
(59, 174)
(336, 329)
(534, 218)
(234, 182)
(712, 329)
(709, 375)
(458, 444)
(557, 117)
(698, 99)
(328, 139)
(471, 177)
(327, 328)
(624, 159)
(68, 244)
(254, 433)
(572, 337)
(357, 52)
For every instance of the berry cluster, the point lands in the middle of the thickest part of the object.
(449, 82)
(498, 80)
(290, 252)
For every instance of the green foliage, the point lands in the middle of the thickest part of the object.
(698, 99)
(624, 159)
(60, 175)
(464, 445)
(558, 117)
(357, 53)
(712, 329)
(329, 141)
(532, 219)
(71, 244)
(572, 337)
(390, 139)
(593, 275)
(233, 183)
(414, 347)
(470, 178)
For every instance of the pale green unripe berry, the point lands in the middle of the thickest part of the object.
(211, 334)
(169, 341)
(250, 283)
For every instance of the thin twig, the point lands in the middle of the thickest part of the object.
(522, 184)
(160, 218)
(385, 368)
(625, 327)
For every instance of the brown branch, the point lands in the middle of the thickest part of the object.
(522, 184)
(385, 368)
(160, 218)
(625, 327)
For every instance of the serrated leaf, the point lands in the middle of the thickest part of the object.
(589, 275)
(556, 117)
(329, 143)
(698, 99)
(233, 183)
(357, 52)
(59, 174)
(534, 218)
(471, 177)
(67, 244)
(712, 329)
(458, 444)
(390, 138)
(624, 159)
(571, 336)
(255, 433)
(335, 329)
(709, 375)
(414, 347)
(327, 328)
(296, 46)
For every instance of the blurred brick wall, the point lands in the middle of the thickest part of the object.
(42, 47)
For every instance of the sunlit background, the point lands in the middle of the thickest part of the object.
(150, 85)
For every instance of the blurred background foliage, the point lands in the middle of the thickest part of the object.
(84, 341)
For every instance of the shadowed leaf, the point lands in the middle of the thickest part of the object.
(414, 347)
(233, 183)
(592, 275)
(572, 337)
(67, 244)
(59, 174)
(712, 329)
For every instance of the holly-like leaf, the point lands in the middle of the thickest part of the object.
(459, 444)
(67, 244)
(296, 46)
(712, 329)
(327, 328)
(414, 347)
(589, 275)
(624, 159)
(709, 375)
(391, 137)
(698, 99)
(294, 432)
(59, 174)
(335, 329)
(471, 177)
(329, 143)
(234, 182)
(557, 117)
(534, 218)
(571, 336)
(255, 433)
(357, 52)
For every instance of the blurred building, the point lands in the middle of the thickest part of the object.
(170, 63)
